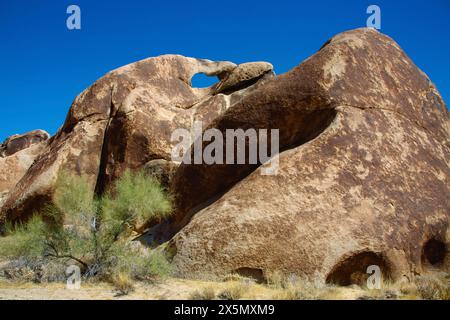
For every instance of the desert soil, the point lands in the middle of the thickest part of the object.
(170, 289)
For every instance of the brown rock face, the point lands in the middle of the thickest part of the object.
(19, 142)
(17, 154)
(126, 120)
(3, 196)
(363, 175)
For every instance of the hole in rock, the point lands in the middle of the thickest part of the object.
(252, 273)
(201, 80)
(353, 270)
(434, 252)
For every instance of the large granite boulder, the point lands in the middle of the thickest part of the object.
(17, 154)
(125, 120)
(363, 174)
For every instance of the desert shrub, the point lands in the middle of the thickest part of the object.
(292, 287)
(276, 280)
(234, 291)
(143, 265)
(407, 288)
(433, 286)
(299, 290)
(135, 199)
(206, 293)
(34, 270)
(24, 240)
(123, 283)
(92, 231)
(158, 265)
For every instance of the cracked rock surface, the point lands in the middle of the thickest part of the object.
(363, 174)
(125, 120)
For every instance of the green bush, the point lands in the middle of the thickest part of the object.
(24, 240)
(92, 231)
(140, 264)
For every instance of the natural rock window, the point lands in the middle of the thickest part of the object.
(201, 80)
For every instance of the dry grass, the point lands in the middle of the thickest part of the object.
(430, 286)
(235, 290)
(235, 287)
(276, 280)
(205, 293)
(302, 289)
(435, 286)
(123, 283)
(236, 277)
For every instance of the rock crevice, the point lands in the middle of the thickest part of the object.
(354, 187)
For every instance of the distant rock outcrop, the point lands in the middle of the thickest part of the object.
(19, 142)
(17, 154)
(363, 174)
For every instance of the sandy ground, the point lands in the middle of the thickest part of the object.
(173, 289)
(168, 289)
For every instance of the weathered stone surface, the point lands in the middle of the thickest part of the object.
(17, 154)
(363, 177)
(363, 164)
(162, 170)
(12, 168)
(243, 75)
(19, 142)
(3, 195)
(122, 121)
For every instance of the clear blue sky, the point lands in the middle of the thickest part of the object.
(44, 65)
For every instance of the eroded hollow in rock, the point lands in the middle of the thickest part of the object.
(434, 252)
(252, 273)
(242, 85)
(353, 269)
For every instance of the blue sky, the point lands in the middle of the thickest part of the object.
(44, 65)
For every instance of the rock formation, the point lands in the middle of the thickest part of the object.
(363, 178)
(125, 120)
(363, 173)
(17, 154)
(19, 142)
